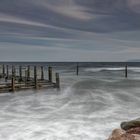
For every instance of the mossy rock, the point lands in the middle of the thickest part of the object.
(130, 124)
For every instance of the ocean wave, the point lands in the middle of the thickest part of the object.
(133, 69)
(85, 108)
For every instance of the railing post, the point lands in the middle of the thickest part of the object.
(50, 74)
(42, 73)
(35, 77)
(57, 80)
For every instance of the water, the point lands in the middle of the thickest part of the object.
(88, 106)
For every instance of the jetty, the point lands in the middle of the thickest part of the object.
(15, 78)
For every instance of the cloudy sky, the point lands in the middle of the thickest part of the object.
(69, 30)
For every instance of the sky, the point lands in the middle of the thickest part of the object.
(69, 30)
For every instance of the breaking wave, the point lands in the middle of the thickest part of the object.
(133, 69)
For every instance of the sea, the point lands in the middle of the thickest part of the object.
(87, 107)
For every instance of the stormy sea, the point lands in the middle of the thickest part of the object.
(88, 106)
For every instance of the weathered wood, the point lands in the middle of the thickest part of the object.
(57, 81)
(77, 69)
(126, 71)
(35, 78)
(42, 73)
(13, 71)
(20, 73)
(13, 84)
(50, 74)
(3, 70)
(7, 72)
(26, 76)
(20, 82)
(28, 73)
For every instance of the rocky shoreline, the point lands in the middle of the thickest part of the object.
(129, 131)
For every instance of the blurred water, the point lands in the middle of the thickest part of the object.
(88, 106)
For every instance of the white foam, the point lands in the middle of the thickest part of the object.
(134, 69)
(67, 115)
(103, 68)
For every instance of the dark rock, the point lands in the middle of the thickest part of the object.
(130, 124)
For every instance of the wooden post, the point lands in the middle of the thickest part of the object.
(77, 70)
(28, 74)
(26, 77)
(126, 71)
(0, 69)
(57, 80)
(35, 77)
(13, 84)
(7, 73)
(42, 73)
(50, 74)
(20, 73)
(13, 71)
(3, 71)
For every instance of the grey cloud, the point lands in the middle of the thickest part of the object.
(104, 15)
(101, 26)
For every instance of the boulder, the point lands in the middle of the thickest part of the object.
(130, 124)
(119, 134)
(137, 137)
(135, 130)
(129, 131)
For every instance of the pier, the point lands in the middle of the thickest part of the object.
(15, 78)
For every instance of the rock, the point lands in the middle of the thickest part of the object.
(116, 134)
(130, 124)
(137, 137)
(130, 131)
(131, 134)
(134, 131)
(119, 134)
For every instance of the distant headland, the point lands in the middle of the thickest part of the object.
(134, 60)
